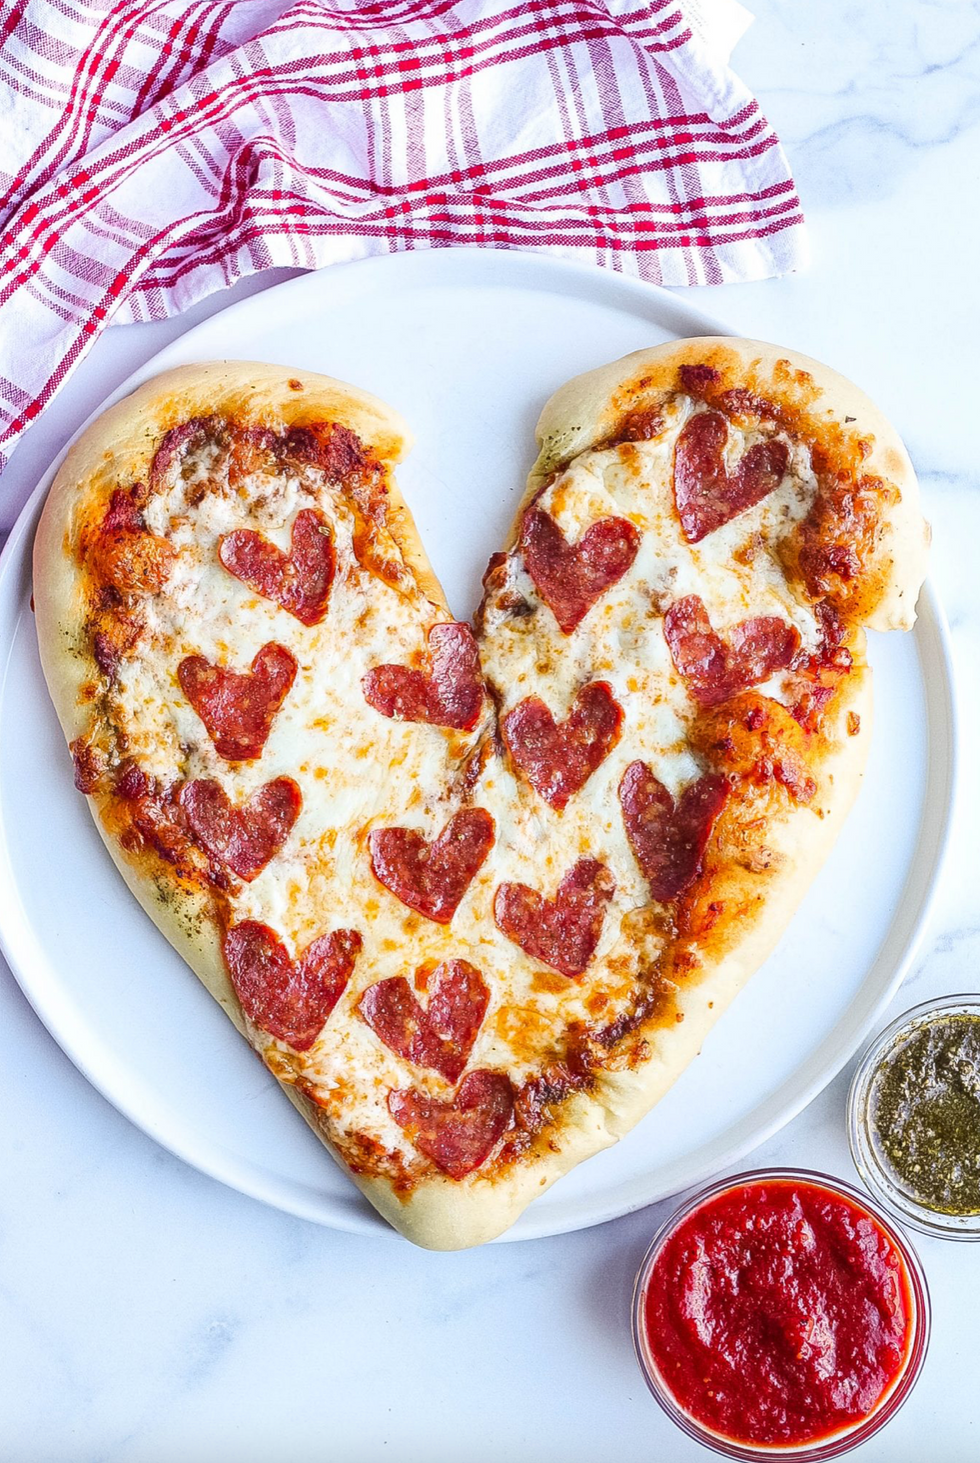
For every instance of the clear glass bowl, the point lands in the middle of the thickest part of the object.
(848, 1438)
(879, 1178)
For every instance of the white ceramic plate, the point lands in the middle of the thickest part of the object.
(468, 345)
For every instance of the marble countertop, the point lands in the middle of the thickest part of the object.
(149, 1314)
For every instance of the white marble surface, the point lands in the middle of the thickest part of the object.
(147, 1314)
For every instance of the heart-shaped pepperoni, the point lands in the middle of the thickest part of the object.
(432, 877)
(441, 1036)
(559, 758)
(291, 999)
(668, 839)
(706, 494)
(245, 838)
(298, 581)
(238, 709)
(570, 578)
(449, 694)
(460, 1135)
(716, 670)
(562, 932)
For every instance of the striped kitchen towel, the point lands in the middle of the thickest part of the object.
(153, 151)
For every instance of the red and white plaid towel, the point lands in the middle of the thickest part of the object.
(152, 151)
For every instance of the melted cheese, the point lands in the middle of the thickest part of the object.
(358, 770)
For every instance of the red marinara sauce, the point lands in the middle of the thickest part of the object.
(778, 1312)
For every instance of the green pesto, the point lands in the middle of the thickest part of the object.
(925, 1113)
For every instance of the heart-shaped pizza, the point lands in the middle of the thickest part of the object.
(476, 894)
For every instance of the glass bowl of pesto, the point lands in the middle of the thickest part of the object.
(913, 1117)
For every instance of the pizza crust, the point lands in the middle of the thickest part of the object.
(440, 1213)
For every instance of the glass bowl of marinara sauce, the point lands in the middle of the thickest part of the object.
(780, 1314)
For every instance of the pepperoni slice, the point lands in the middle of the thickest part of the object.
(89, 765)
(441, 1036)
(298, 581)
(123, 514)
(559, 758)
(238, 709)
(337, 451)
(245, 838)
(754, 737)
(668, 839)
(290, 999)
(432, 877)
(132, 782)
(641, 425)
(251, 450)
(561, 932)
(698, 379)
(457, 1136)
(707, 495)
(716, 670)
(449, 694)
(570, 578)
(175, 443)
(152, 819)
(818, 676)
(127, 556)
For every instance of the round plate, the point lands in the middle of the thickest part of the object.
(468, 345)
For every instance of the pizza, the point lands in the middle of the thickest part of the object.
(476, 894)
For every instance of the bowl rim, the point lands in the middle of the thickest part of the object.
(891, 1400)
(876, 1178)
